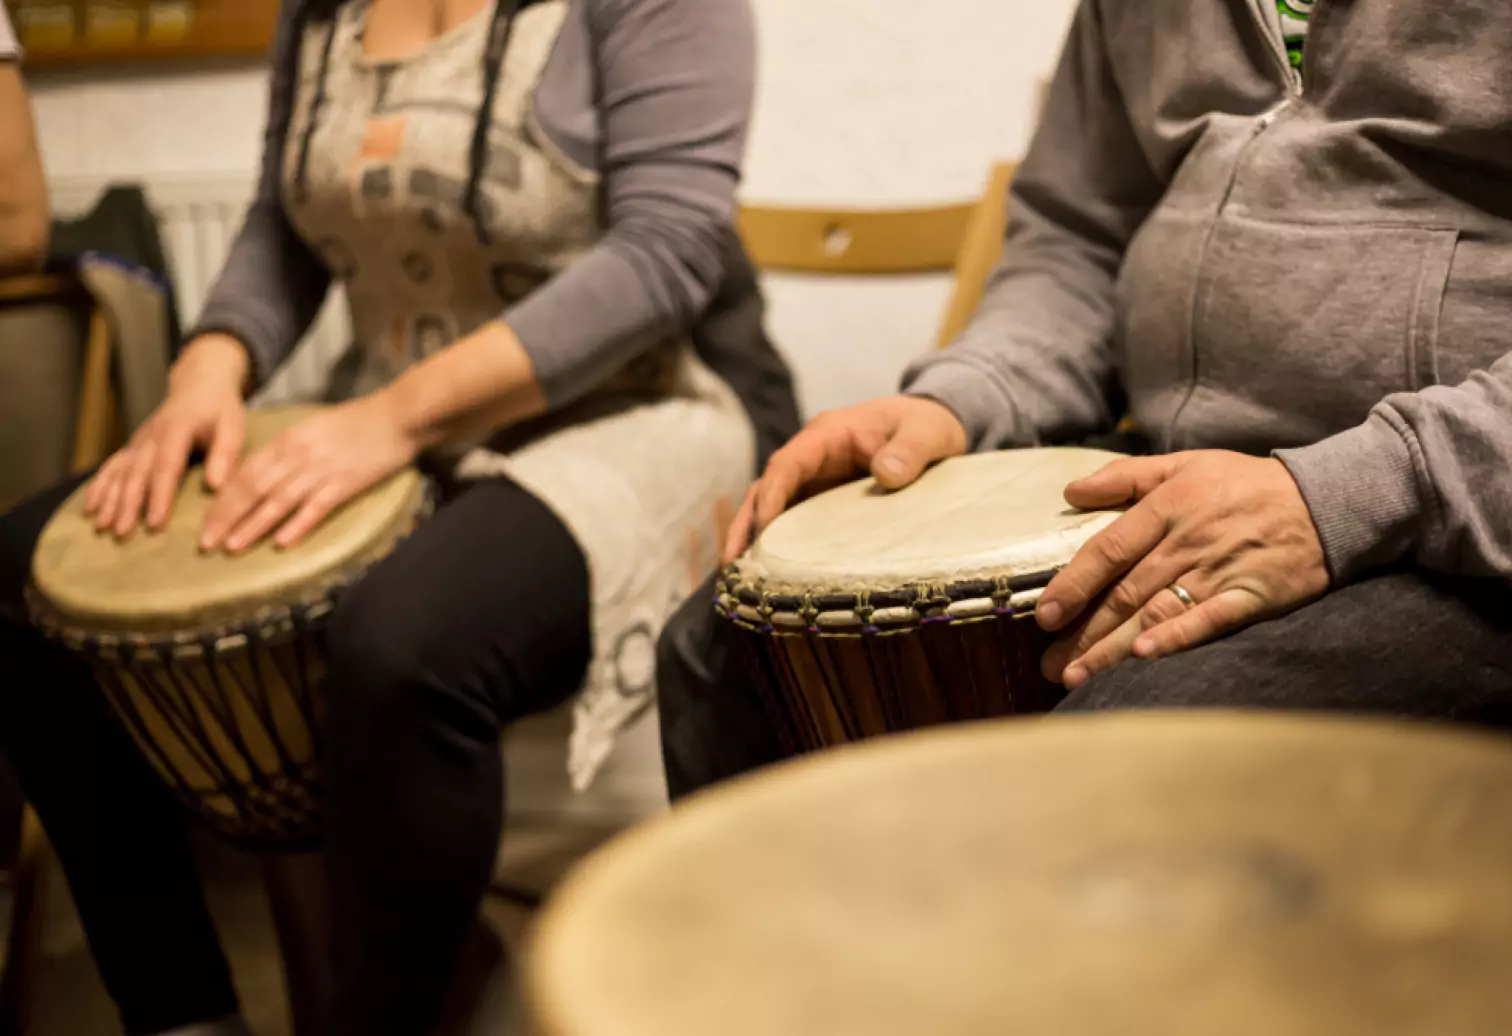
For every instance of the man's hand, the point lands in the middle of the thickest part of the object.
(895, 438)
(1230, 530)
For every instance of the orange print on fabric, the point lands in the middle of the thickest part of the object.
(398, 340)
(382, 141)
(383, 138)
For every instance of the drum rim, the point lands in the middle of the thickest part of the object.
(876, 611)
(269, 624)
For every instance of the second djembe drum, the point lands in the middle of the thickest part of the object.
(864, 612)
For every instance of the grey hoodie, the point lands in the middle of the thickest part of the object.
(1315, 266)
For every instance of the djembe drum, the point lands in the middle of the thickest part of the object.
(865, 612)
(214, 662)
(1134, 874)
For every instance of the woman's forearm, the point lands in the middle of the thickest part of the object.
(481, 382)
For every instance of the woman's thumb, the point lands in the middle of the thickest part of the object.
(225, 447)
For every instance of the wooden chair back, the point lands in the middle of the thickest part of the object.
(963, 238)
(56, 391)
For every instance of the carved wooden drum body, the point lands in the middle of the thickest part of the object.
(214, 663)
(865, 612)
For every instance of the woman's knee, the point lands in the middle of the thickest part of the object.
(20, 528)
(389, 669)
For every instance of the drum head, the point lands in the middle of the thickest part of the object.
(1162, 874)
(161, 582)
(984, 516)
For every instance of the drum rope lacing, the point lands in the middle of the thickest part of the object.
(873, 612)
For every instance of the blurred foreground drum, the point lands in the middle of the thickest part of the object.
(214, 662)
(1162, 874)
(865, 612)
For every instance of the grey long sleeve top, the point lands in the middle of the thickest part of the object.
(654, 96)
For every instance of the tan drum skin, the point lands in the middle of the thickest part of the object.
(1161, 874)
(983, 516)
(162, 582)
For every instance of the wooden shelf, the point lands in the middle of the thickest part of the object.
(214, 29)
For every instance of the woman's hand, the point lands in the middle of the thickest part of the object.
(895, 438)
(298, 479)
(203, 410)
(1232, 531)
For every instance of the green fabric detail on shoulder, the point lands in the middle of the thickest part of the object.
(1294, 19)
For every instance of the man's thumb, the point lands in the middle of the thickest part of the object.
(905, 456)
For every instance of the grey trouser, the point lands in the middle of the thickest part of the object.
(1403, 643)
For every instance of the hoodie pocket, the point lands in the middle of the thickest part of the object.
(1299, 331)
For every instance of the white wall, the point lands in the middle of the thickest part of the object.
(876, 103)
(862, 102)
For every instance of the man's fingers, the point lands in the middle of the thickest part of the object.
(792, 468)
(1121, 482)
(1226, 612)
(1118, 645)
(1102, 559)
(912, 447)
(1127, 597)
(738, 535)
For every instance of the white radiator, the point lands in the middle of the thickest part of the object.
(198, 218)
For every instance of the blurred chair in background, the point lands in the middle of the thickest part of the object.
(964, 238)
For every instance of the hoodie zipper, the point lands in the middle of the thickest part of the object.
(1269, 18)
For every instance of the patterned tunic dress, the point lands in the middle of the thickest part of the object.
(646, 467)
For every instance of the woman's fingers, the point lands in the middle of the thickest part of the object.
(166, 475)
(262, 472)
(226, 441)
(314, 510)
(134, 489)
(281, 501)
(99, 486)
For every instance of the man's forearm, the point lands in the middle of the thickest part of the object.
(23, 239)
(24, 217)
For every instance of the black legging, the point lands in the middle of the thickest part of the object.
(479, 618)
